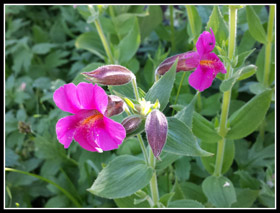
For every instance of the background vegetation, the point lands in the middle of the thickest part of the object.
(48, 46)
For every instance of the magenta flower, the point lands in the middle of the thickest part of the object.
(209, 63)
(88, 126)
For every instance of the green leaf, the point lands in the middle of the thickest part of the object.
(193, 191)
(181, 141)
(219, 191)
(209, 162)
(186, 114)
(161, 89)
(204, 129)
(240, 74)
(193, 14)
(42, 48)
(218, 25)
(246, 72)
(22, 58)
(128, 202)
(186, 203)
(148, 23)
(245, 198)
(243, 56)
(255, 26)
(122, 177)
(90, 41)
(247, 181)
(128, 46)
(182, 168)
(244, 121)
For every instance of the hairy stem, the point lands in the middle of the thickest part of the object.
(269, 45)
(153, 181)
(227, 95)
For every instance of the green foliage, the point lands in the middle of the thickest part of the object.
(49, 46)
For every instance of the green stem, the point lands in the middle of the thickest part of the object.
(135, 89)
(142, 145)
(104, 41)
(153, 181)
(227, 95)
(65, 192)
(172, 28)
(269, 45)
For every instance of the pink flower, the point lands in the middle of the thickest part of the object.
(88, 125)
(209, 63)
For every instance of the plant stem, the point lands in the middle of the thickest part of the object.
(104, 41)
(268, 45)
(142, 145)
(227, 95)
(153, 182)
(135, 89)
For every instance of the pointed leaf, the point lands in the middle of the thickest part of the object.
(244, 121)
(122, 177)
(161, 89)
(255, 26)
(181, 141)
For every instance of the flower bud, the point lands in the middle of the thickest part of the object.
(156, 127)
(115, 106)
(110, 75)
(186, 62)
(133, 124)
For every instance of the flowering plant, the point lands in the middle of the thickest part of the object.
(159, 115)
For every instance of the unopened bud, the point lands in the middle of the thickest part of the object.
(115, 106)
(156, 127)
(186, 62)
(110, 75)
(133, 124)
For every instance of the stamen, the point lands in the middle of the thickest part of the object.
(92, 119)
(207, 63)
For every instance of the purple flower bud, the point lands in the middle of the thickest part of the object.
(186, 62)
(115, 106)
(133, 124)
(156, 127)
(110, 75)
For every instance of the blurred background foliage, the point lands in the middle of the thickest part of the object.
(48, 46)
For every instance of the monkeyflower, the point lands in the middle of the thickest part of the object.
(89, 124)
(206, 63)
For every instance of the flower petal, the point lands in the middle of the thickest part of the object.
(214, 62)
(65, 97)
(92, 97)
(202, 78)
(65, 129)
(110, 135)
(86, 127)
(205, 43)
(85, 136)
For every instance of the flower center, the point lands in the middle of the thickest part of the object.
(90, 120)
(207, 63)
